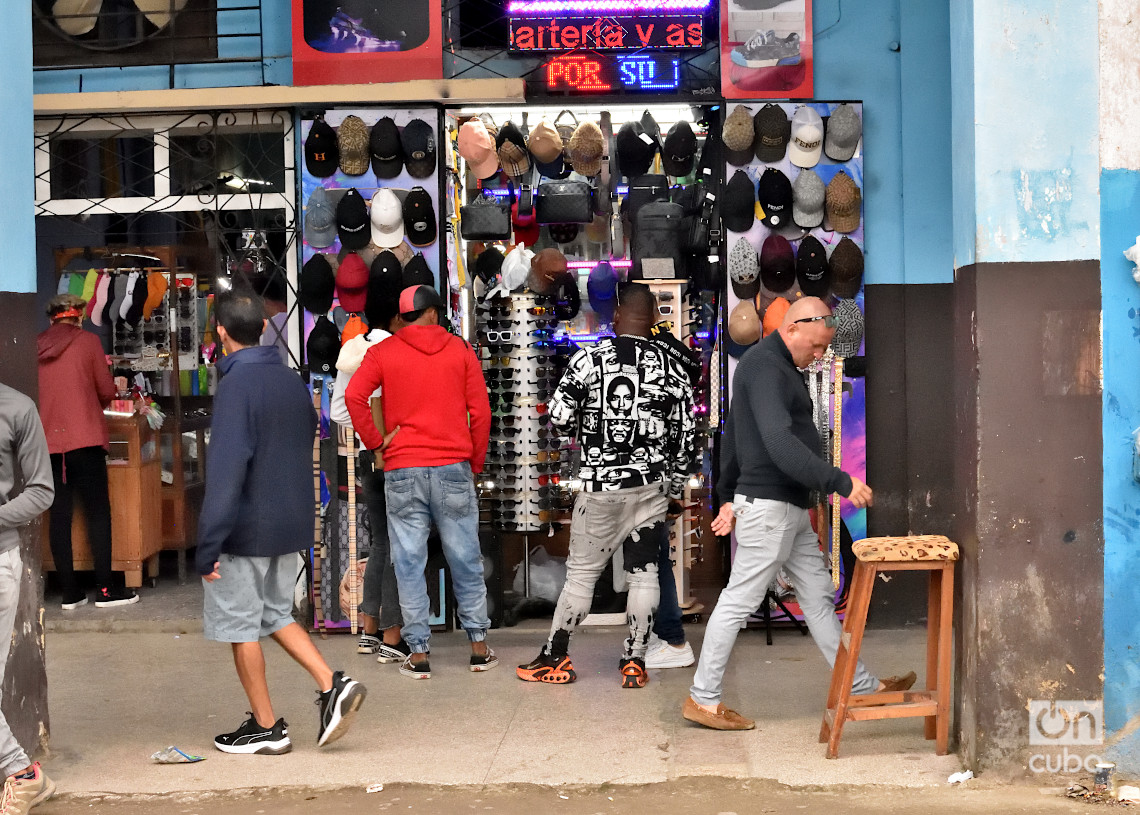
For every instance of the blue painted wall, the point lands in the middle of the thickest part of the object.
(906, 120)
(965, 216)
(17, 181)
(1119, 205)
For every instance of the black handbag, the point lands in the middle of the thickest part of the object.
(657, 233)
(564, 202)
(485, 219)
(645, 189)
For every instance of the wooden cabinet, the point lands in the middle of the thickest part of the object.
(183, 453)
(134, 481)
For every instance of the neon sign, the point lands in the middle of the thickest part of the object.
(595, 74)
(602, 33)
(584, 8)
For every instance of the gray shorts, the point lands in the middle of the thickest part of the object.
(253, 598)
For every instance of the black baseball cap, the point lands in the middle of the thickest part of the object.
(385, 280)
(317, 284)
(419, 218)
(488, 264)
(774, 192)
(386, 150)
(738, 209)
(352, 224)
(322, 156)
(773, 131)
(418, 140)
(812, 269)
(679, 149)
(418, 297)
(635, 149)
(417, 272)
(323, 347)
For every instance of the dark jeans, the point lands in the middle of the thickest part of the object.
(381, 595)
(667, 623)
(82, 472)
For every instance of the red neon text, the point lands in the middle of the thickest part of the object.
(575, 72)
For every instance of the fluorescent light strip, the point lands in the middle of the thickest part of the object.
(571, 7)
(590, 264)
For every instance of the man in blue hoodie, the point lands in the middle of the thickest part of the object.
(256, 517)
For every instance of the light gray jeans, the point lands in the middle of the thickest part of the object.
(631, 519)
(771, 534)
(12, 756)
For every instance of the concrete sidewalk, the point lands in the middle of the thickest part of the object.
(115, 698)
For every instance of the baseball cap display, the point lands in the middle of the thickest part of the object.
(774, 314)
(320, 220)
(586, 148)
(418, 141)
(352, 141)
(510, 144)
(417, 272)
(419, 218)
(773, 131)
(418, 297)
(679, 149)
(548, 151)
(738, 136)
(744, 323)
(812, 270)
(352, 283)
(744, 270)
(477, 146)
(601, 288)
(386, 217)
(774, 192)
(807, 199)
(777, 264)
(547, 268)
(843, 201)
(352, 221)
(321, 153)
(738, 209)
(385, 281)
(489, 264)
(844, 129)
(807, 137)
(323, 347)
(848, 329)
(846, 263)
(317, 284)
(636, 149)
(563, 233)
(387, 152)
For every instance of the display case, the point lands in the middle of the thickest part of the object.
(133, 478)
(183, 452)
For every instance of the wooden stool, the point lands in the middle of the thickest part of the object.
(932, 553)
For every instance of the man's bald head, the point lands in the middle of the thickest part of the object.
(807, 338)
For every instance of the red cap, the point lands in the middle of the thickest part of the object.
(352, 283)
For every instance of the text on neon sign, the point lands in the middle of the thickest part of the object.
(579, 72)
(606, 33)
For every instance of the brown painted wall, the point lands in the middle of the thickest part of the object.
(25, 680)
(1028, 482)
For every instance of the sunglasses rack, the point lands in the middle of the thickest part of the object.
(521, 487)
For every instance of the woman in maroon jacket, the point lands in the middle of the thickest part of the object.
(75, 386)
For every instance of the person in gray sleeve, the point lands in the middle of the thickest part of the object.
(770, 462)
(23, 451)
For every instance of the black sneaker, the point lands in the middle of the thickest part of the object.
(368, 644)
(73, 600)
(338, 706)
(484, 662)
(251, 738)
(394, 653)
(417, 670)
(106, 598)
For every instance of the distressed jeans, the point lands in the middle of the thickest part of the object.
(12, 756)
(445, 495)
(771, 534)
(632, 519)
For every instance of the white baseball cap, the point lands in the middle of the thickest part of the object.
(807, 137)
(387, 216)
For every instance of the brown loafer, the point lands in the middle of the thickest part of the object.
(897, 683)
(723, 719)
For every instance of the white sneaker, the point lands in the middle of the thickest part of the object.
(663, 655)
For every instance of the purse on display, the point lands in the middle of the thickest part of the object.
(485, 219)
(564, 202)
(645, 189)
(657, 235)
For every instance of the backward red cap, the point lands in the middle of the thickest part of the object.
(417, 298)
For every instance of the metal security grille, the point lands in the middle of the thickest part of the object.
(217, 188)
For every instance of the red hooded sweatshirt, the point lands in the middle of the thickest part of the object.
(432, 388)
(75, 386)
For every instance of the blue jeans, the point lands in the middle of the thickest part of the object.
(417, 497)
(667, 623)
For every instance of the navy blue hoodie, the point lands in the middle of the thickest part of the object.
(259, 470)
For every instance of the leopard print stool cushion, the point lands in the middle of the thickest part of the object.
(914, 547)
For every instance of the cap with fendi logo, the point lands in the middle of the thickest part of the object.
(774, 194)
(419, 218)
(418, 140)
(322, 156)
(807, 137)
(843, 201)
(352, 139)
(352, 225)
(387, 152)
(773, 131)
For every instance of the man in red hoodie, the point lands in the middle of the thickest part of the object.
(75, 386)
(434, 396)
